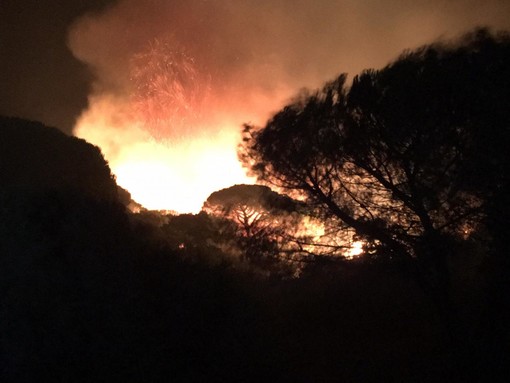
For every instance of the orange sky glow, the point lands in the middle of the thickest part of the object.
(173, 172)
(173, 81)
(163, 176)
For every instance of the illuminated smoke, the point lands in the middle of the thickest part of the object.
(175, 80)
(169, 91)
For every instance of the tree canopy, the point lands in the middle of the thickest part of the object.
(36, 158)
(398, 155)
(413, 156)
(264, 222)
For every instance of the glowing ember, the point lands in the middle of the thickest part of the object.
(156, 138)
(169, 90)
(169, 137)
(175, 176)
(180, 177)
(311, 228)
(355, 249)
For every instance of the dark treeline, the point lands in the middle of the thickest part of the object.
(93, 293)
(411, 157)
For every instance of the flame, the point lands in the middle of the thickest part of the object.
(173, 175)
(171, 147)
(355, 249)
(310, 227)
(169, 137)
(333, 243)
(170, 130)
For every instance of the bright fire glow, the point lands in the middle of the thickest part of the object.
(155, 176)
(170, 137)
(171, 140)
(176, 175)
(310, 228)
(321, 242)
(355, 249)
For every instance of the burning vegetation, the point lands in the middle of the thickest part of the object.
(405, 170)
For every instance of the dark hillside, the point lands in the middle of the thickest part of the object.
(87, 296)
(37, 158)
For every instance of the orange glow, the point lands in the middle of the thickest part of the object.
(173, 175)
(322, 242)
(170, 132)
(312, 228)
(178, 177)
(355, 249)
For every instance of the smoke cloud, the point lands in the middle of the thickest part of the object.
(174, 80)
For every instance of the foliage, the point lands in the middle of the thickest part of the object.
(271, 226)
(409, 156)
(34, 157)
(258, 214)
(390, 155)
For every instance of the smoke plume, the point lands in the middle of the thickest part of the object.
(174, 80)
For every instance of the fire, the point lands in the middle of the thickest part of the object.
(354, 250)
(162, 175)
(169, 134)
(312, 228)
(179, 177)
(159, 143)
(324, 242)
(171, 139)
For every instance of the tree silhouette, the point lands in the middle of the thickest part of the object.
(36, 158)
(407, 156)
(263, 219)
(249, 205)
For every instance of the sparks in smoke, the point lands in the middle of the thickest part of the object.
(162, 175)
(354, 250)
(168, 89)
(178, 72)
(166, 142)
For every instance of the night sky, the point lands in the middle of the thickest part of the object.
(40, 78)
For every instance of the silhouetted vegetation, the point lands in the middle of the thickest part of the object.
(265, 224)
(411, 157)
